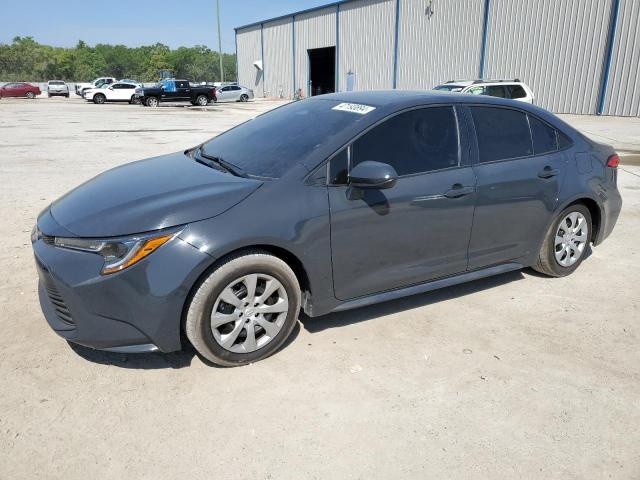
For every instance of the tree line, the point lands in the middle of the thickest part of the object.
(27, 60)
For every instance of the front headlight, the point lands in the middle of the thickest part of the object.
(119, 253)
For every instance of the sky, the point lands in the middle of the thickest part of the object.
(142, 22)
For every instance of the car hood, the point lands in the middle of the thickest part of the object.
(147, 195)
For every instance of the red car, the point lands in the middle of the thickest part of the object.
(19, 89)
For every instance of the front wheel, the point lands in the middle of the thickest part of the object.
(244, 97)
(245, 310)
(99, 98)
(152, 102)
(202, 100)
(566, 243)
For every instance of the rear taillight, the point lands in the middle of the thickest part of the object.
(613, 161)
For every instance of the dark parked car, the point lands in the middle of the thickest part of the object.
(19, 89)
(171, 90)
(326, 204)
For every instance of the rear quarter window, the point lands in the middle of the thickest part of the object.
(501, 133)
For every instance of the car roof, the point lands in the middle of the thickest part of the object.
(398, 99)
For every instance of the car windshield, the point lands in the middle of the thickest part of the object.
(269, 145)
(53, 82)
(449, 88)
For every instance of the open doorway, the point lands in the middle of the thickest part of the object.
(322, 71)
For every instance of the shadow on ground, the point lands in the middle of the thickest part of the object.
(154, 361)
(175, 360)
(341, 319)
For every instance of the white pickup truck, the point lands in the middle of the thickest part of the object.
(97, 83)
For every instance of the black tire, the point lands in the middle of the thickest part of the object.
(31, 95)
(193, 102)
(67, 95)
(99, 98)
(198, 319)
(152, 102)
(547, 263)
(244, 97)
(202, 100)
(48, 95)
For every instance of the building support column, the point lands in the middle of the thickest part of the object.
(395, 46)
(293, 50)
(485, 32)
(338, 47)
(262, 57)
(606, 66)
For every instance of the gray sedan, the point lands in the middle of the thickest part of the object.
(234, 93)
(323, 205)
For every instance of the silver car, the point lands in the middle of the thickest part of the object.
(234, 93)
(57, 87)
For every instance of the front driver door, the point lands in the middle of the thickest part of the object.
(417, 230)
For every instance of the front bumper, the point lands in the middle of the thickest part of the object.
(136, 310)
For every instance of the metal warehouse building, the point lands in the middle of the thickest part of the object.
(579, 56)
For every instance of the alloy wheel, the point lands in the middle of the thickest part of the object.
(571, 239)
(249, 313)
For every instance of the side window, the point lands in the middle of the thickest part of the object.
(117, 86)
(563, 141)
(235, 88)
(544, 137)
(128, 85)
(417, 141)
(516, 91)
(338, 168)
(476, 91)
(495, 91)
(502, 133)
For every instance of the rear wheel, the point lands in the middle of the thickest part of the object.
(152, 102)
(31, 95)
(244, 97)
(245, 310)
(566, 243)
(202, 100)
(99, 98)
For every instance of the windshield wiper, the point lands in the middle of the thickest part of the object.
(216, 162)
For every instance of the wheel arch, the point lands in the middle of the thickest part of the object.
(277, 251)
(594, 209)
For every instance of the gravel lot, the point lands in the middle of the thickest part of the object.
(516, 376)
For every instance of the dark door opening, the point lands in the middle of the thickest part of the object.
(322, 70)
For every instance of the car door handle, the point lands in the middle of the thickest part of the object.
(458, 191)
(548, 172)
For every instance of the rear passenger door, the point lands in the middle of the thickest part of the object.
(519, 171)
(183, 90)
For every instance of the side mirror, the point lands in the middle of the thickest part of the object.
(373, 175)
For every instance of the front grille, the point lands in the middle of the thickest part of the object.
(59, 306)
(62, 312)
(48, 239)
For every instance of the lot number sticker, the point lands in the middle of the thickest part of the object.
(354, 108)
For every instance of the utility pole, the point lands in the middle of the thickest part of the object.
(220, 43)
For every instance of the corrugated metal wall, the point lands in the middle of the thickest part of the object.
(313, 30)
(367, 34)
(249, 50)
(438, 47)
(623, 89)
(278, 58)
(556, 47)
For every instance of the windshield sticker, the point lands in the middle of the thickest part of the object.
(354, 108)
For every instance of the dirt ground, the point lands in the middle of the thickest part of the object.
(516, 376)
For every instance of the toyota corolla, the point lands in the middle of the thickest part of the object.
(326, 204)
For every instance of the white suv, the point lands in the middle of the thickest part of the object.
(513, 89)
